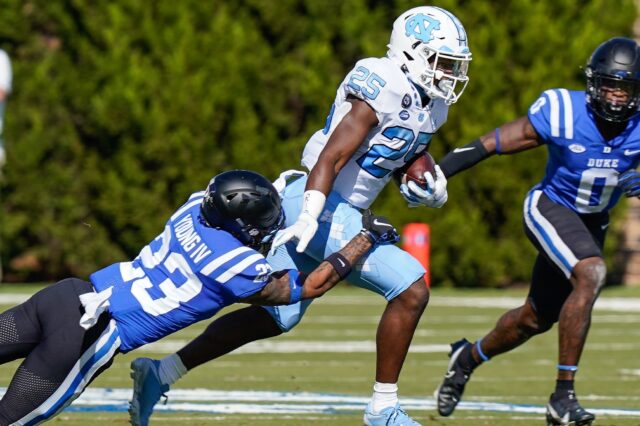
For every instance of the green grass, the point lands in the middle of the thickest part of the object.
(609, 375)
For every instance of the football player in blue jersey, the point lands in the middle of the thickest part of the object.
(593, 141)
(385, 112)
(210, 255)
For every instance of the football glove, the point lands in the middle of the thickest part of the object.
(434, 195)
(307, 224)
(629, 182)
(378, 229)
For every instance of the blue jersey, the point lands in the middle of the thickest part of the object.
(187, 274)
(583, 168)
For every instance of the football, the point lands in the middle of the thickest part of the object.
(415, 169)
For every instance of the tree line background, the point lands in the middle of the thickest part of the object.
(121, 109)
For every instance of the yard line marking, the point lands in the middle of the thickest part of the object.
(298, 346)
(271, 402)
(167, 346)
(618, 304)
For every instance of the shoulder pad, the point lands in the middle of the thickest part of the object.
(379, 82)
(552, 114)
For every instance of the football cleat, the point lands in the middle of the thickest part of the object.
(565, 410)
(147, 390)
(390, 416)
(450, 391)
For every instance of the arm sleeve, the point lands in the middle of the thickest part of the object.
(463, 158)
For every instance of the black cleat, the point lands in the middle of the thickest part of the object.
(566, 410)
(452, 387)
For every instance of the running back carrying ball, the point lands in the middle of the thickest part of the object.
(415, 169)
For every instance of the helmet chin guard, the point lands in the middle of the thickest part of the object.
(430, 45)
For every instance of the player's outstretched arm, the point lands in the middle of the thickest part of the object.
(342, 144)
(288, 287)
(510, 138)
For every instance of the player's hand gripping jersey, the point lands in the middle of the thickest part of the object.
(187, 274)
(405, 128)
(583, 167)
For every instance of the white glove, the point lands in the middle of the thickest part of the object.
(435, 195)
(307, 224)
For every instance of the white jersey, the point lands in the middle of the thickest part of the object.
(404, 128)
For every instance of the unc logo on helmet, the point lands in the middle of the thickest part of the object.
(421, 27)
(430, 45)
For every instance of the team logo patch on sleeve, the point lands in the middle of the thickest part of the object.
(404, 115)
(577, 148)
(406, 101)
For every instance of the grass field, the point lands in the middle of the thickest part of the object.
(322, 372)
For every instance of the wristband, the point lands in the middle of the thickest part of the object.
(296, 283)
(498, 141)
(483, 357)
(340, 263)
(313, 203)
(567, 367)
(463, 157)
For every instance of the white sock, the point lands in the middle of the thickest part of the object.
(384, 395)
(171, 369)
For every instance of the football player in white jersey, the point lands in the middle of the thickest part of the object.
(385, 113)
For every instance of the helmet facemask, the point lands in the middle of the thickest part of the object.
(613, 79)
(258, 238)
(613, 98)
(440, 74)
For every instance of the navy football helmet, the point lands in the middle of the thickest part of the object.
(613, 79)
(246, 205)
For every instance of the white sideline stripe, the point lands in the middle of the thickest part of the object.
(298, 346)
(168, 346)
(265, 402)
(616, 304)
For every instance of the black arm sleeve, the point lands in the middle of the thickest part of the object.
(463, 157)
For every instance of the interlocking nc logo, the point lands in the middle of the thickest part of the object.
(421, 27)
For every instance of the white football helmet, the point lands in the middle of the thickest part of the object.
(430, 45)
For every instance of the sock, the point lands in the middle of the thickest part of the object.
(564, 386)
(384, 395)
(467, 361)
(171, 369)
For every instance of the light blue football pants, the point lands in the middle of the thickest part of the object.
(386, 270)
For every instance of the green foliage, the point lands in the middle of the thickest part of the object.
(121, 109)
